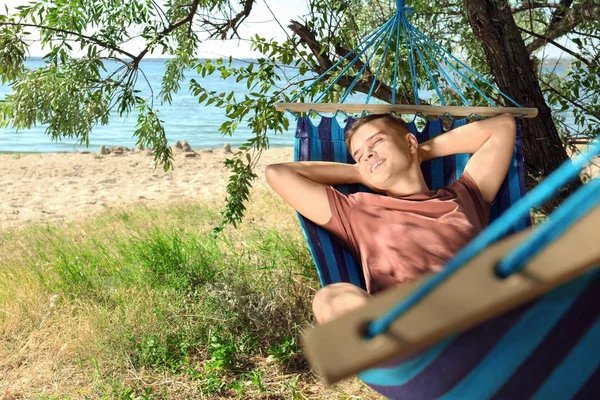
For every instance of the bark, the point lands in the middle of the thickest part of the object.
(506, 54)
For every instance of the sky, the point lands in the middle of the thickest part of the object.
(261, 21)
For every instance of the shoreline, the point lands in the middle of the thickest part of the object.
(61, 187)
(96, 149)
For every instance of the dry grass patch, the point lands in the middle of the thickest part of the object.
(143, 302)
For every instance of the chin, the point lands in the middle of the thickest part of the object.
(377, 188)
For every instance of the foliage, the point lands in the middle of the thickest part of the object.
(204, 317)
(284, 351)
(72, 95)
(176, 261)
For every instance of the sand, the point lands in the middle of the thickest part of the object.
(58, 187)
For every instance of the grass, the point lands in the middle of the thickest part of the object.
(144, 303)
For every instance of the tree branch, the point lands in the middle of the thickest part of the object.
(232, 24)
(559, 13)
(169, 29)
(565, 20)
(533, 6)
(574, 103)
(159, 12)
(87, 38)
(558, 45)
(382, 91)
(586, 34)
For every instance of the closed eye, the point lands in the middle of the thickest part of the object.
(373, 144)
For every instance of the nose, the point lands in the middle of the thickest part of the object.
(369, 152)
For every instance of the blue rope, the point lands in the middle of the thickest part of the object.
(545, 190)
(352, 62)
(402, 9)
(414, 40)
(430, 75)
(395, 83)
(387, 47)
(445, 75)
(297, 115)
(362, 70)
(572, 210)
(430, 41)
(340, 61)
(409, 43)
(448, 79)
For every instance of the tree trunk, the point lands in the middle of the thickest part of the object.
(493, 24)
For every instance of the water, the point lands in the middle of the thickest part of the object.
(183, 119)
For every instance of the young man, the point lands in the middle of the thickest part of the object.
(405, 230)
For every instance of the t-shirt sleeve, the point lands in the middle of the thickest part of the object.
(475, 200)
(341, 205)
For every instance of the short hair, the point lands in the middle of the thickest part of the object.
(396, 122)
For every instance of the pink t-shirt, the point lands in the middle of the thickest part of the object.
(398, 239)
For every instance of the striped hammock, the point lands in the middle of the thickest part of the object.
(548, 349)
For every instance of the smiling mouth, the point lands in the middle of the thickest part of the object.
(377, 164)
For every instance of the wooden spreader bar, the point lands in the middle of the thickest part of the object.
(406, 109)
(472, 295)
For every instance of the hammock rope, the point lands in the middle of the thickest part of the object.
(435, 61)
(576, 207)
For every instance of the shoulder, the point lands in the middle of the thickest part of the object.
(342, 205)
(469, 194)
(335, 195)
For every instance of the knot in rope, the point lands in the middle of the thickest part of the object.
(402, 9)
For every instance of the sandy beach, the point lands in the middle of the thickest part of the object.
(55, 187)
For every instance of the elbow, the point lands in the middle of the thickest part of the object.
(270, 173)
(508, 125)
(273, 173)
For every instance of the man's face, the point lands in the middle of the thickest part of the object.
(382, 153)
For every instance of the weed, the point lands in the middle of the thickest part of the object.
(284, 352)
(135, 393)
(222, 348)
(256, 378)
(176, 260)
(172, 352)
(211, 383)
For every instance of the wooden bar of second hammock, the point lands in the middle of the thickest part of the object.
(470, 296)
(458, 111)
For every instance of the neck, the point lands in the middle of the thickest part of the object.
(411, 182)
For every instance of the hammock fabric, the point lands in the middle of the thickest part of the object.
(325, 142)
(545, 350)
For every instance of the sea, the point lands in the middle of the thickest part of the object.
(184, 118)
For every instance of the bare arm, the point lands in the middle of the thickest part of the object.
(300, 184)
(491, 142)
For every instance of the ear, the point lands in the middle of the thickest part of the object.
(413, 143)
